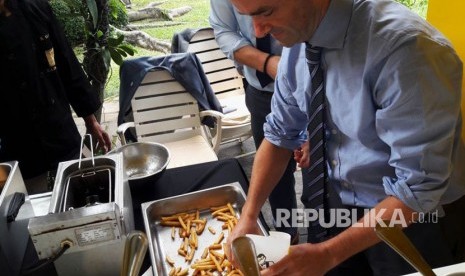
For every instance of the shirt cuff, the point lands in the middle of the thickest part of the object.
(290, 144)
(420, 201)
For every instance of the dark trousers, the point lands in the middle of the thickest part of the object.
(440, 243)
(283, 196)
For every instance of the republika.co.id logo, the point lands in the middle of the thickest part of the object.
(336, 217)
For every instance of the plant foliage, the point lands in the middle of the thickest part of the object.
(71, 20)
(418, 6)
(72, 14)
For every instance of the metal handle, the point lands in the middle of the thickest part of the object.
(17, 200)
(243, 249)
(134, 253)
(91, 149)
(397, 240)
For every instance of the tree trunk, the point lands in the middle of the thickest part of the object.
(179, 11)
(127, 3)
(157, 14)
(94, 62)
(143, 40)
(132, 27)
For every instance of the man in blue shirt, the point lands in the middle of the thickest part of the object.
(393, 145)
(236, 38)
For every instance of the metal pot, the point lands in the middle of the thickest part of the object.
(143, 159)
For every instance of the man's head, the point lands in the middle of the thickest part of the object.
(289, 21)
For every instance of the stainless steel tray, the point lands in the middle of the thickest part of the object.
(161, 244)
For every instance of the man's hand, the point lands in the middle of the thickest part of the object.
(245, 225)
(317, 259)
(95, 129)
(302, 155)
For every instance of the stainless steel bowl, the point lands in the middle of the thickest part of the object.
(143, 159)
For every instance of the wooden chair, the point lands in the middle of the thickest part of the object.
(226, 83)
(166, 113)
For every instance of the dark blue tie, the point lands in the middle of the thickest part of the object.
(315, 177)
(264, 45)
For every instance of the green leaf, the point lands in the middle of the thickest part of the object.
(114, 13)
(115, 56)
(99, 34)
(115, 42)
(127, 49)
(112, 42)
(121, 52)
(120, 39)
(92, 6)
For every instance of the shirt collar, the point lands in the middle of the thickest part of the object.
(331, 32)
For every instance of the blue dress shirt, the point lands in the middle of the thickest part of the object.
(393, 86)
(234, 31)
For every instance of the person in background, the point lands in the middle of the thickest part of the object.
(392, 121)
(235, 36)
(40, 77)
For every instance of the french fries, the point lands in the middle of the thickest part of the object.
(173, 232)
(190, 226)
(219, 239)
(170, 261)
(211, 230)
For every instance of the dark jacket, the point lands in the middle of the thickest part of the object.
(185, 68)
(180, 40)
(36, 124)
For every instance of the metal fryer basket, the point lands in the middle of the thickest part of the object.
(87, 187)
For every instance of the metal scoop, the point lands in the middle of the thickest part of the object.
(397, 240)
(134, 253)
(243, 249)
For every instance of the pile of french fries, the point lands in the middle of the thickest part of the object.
(188, 227)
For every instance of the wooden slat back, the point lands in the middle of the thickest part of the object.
(225, 80)
(163, 110)
(220, 71)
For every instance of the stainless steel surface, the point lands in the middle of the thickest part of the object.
(143, 159)
(85, 228)
(160, 242)
(4, 172)
(98, 261)
(40, 203)
(13, 178)
(113, 162)
(13, 235)
(244, 252)
(134, 253)
(397, 240)
(89, 187)
(96, 232)
(91, 149)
